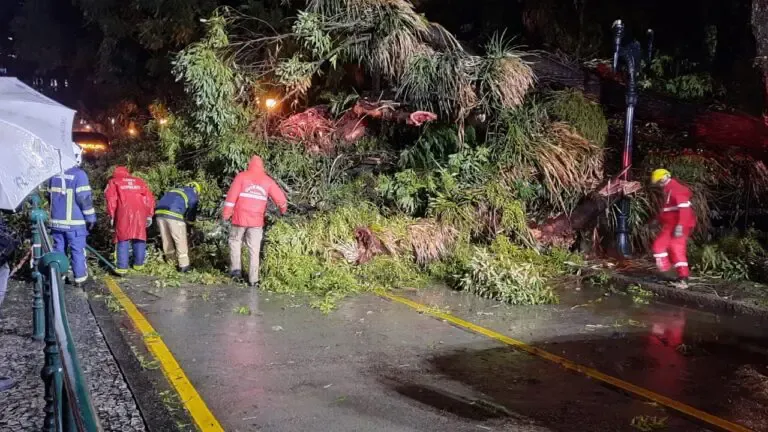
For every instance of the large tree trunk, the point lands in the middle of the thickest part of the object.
(760, 30)
(706, 128)
(561, 230)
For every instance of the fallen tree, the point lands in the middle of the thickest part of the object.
(562, 230)
(705, 126)
(318, 131)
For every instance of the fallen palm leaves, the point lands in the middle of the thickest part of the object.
(354, 249)
(431, 241)
(426, 241)
(316, 129)
(336, 253)
(649, 423)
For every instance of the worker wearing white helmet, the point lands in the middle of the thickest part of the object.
(72, 214)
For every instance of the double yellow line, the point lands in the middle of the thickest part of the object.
(592, 373)
(192, 401)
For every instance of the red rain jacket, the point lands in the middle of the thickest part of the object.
(247, 197)
(129, 203)
(677, 209)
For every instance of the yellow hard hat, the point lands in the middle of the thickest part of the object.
(659, 175)
(196, 186)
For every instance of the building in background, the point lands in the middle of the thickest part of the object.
(7, 54)
(54, 84)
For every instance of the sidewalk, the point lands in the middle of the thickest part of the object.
(714, 294)
(21, 408)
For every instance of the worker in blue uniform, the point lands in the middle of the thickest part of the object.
(173, 211)
(72, 215)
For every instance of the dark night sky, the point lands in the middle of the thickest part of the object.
(681, 28)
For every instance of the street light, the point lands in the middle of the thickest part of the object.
(270, 103)
(632, 54)
(163, 121)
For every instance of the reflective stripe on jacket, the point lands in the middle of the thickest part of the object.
(129, 204)
(677, 209)
(179, 204)
(248, 196)
(71, 201)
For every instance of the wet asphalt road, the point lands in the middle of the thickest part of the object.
(375, 365)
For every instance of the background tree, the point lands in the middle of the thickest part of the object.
(419, 62)
(760, 30)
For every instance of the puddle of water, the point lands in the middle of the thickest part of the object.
(454, 404)
(717, 363)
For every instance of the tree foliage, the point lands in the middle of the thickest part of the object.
(213, 83)
(423, 64)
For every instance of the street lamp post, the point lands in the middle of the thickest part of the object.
(632, 55)
(270, 104)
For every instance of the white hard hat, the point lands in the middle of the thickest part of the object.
(78, 153)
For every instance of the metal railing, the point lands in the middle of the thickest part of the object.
(68, 406)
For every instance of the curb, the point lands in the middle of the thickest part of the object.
(711, 302)
(142, 383)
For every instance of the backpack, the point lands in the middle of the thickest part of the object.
(9, 243)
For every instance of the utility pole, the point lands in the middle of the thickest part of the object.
(632, 55)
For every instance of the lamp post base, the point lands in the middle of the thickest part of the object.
(623, 242)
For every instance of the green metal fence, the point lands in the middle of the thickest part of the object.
(68, 405)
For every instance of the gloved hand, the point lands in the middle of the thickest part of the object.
(91, 226)
(678, 231)
(149, 222)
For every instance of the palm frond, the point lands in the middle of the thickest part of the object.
(503, 77)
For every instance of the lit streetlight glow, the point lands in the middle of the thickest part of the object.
(270, 103)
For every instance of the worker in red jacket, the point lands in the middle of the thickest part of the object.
(677, 222)
(130, 205)
(246, 204)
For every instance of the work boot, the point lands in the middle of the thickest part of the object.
(681, 283)
(185, 269)
(6, 383)
(236, 275)
(253, 284)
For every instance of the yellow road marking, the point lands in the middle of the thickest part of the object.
(592, 373)
(194, 404)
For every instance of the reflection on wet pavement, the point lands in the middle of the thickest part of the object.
(374, 365)
(718, 364)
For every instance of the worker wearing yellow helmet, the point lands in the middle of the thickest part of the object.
(173, 211)
(677, 221)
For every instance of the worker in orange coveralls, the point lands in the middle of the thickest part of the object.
(677, 222)
(130, 205)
